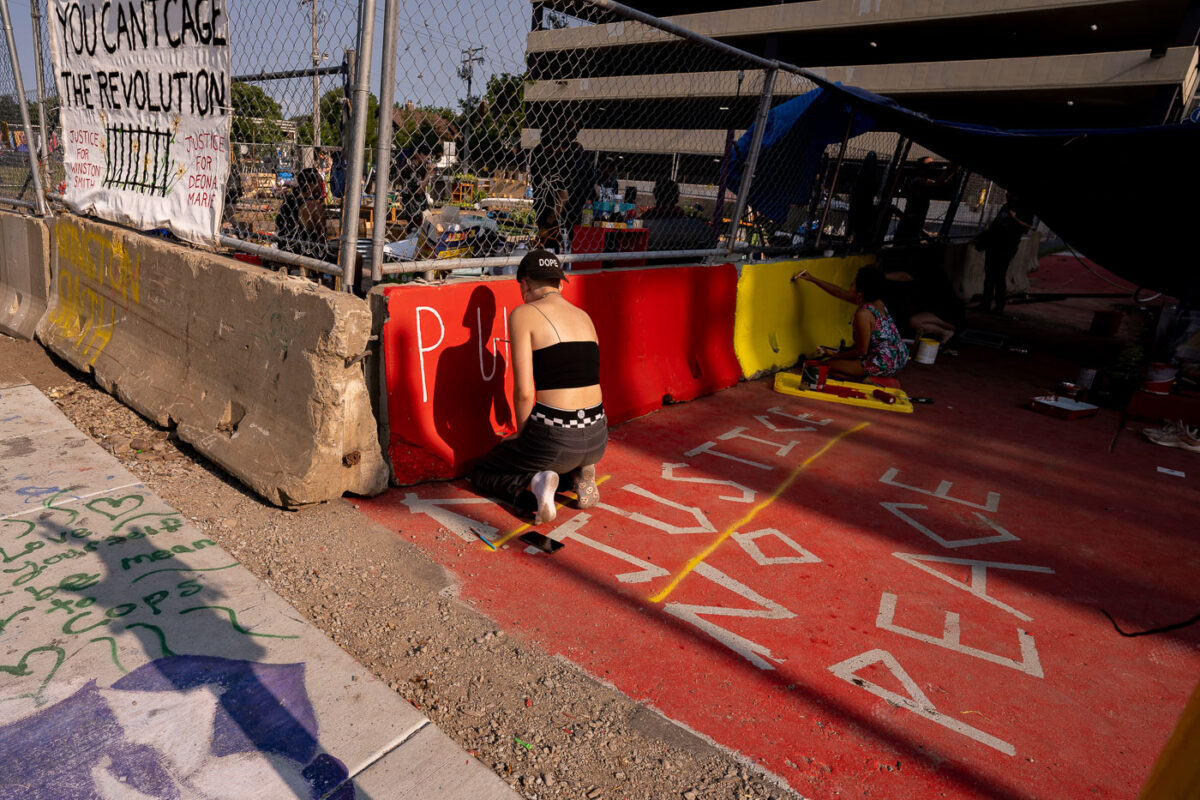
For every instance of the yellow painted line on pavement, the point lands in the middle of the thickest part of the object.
(528, 525)
(745, 520)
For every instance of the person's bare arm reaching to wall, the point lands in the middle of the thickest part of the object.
(829, 288)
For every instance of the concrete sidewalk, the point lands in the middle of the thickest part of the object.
(138, 659)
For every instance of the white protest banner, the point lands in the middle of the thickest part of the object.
(144, 87)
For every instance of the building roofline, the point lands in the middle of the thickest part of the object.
(813, 16)
(1036, 73)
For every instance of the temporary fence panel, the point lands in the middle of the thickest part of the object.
(666, 335)
(510, 131)
(292, 67)
(44, 93)
(20, 185)
(617, 129)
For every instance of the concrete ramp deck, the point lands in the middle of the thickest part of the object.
(139, 660)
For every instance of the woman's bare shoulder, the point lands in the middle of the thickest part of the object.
(864, 315)
(521, 317)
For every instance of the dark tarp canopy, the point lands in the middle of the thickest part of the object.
(796, 135)
(1125, 198)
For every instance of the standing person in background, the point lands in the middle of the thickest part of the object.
(412, 185)
(877, 350)
(666, 201)
(300, 223)
(863, 211)
(919, 191)
(606, 180)
(324, 165)
(561, 175)
(549, 187)
(1002, 239)
(561, 427)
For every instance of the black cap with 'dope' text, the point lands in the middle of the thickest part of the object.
(540, 265)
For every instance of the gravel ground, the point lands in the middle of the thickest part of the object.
(384, 602)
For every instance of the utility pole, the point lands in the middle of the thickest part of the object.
(466, 71)
(316, 62)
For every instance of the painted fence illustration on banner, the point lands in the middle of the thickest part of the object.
(145, 93)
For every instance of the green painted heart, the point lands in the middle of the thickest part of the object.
(114, 507)
(22, 668)
(9, 525)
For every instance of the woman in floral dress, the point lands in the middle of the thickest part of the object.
(877, 350)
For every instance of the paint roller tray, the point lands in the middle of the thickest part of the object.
(846, 392)
(1062, 407)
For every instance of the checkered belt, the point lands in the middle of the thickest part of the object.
(558, 417)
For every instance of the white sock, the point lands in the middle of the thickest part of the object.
(543, 486)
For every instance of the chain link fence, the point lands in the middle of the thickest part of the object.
(572, 125)
(516, 126)
(578, 125)
(449, 172)
(18, 184)
(291, 64)
(47, 110)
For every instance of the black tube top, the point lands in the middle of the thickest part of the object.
(566, 365)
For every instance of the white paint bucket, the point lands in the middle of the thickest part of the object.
(927, 350)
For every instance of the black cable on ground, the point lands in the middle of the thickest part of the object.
(1164, 629)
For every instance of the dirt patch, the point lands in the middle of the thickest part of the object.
(544, 726)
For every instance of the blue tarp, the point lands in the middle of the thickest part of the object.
(1126, 198)
(796, 135)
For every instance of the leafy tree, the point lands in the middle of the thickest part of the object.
(423, 128)
(332, 103)
(253, 112)
(10, 110)
(497, 122)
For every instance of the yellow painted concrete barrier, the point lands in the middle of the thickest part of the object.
(259, 372)
(1176, 773)
(777, 321)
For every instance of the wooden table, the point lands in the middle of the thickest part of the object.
(366, 214)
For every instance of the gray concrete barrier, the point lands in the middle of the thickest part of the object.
(24, 273)
(260, 372)
(964, 264)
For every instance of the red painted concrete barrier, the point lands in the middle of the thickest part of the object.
(665, 334)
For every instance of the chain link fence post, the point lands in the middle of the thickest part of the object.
(43, 139)
(837, 171)
(352, 200)
(31, 147)
(760, 125)
(383, 152)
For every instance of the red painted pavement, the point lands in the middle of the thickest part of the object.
(826, 640)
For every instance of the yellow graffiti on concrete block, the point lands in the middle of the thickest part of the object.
(98, 280)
